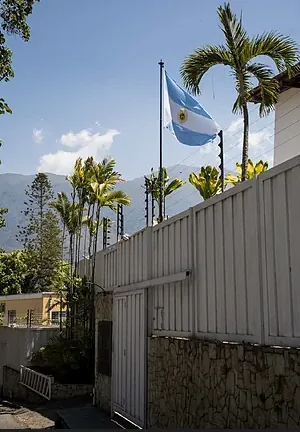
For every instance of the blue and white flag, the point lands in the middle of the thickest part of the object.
(185, 117)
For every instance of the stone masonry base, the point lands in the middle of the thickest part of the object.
(199, 384)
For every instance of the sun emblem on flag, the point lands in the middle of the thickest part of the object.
(182, 115)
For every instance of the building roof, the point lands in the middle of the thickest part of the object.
(26, 296)
(284, 81)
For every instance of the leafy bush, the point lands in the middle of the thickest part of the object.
(68, 361)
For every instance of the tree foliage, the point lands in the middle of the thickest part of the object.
(207, 182)
(240, 53)
(93, 189)
(154, 182)
(15, 272)
(2, 220)
(41, 234)
(13, 17)
(252, 171)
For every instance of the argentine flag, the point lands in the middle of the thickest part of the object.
(185, 117)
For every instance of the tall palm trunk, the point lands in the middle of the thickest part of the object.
(72, 234)
(92, 314)
(63, 242)
(95, 243)
(85, 238)
(62, 268)
(80, 219)
(71, 308)
(245, 142)
(90, 243)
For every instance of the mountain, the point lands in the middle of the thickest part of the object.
(12, 196)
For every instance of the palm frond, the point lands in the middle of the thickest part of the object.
(234, 32)
(207, 182)
(200, 61)
(269, 88)
(283, 50)
(118, 197)
(173, 186)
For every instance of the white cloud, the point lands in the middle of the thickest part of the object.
(260, 143)
(82, 144)
(38, 135)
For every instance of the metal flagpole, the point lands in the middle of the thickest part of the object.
(160, 174)
(221, 156)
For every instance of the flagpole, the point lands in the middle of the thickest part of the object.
(221, 156)
(161, 198)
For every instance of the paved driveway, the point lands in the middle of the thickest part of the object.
(7, 421)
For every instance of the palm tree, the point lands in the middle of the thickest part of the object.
(168, 187)
(61, 205)
(252, 171)
(103, 182)
(69, 213)
(239, 53)
(208, 182)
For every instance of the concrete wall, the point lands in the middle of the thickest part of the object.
(18, 344)
(13, 389)
(287, 126)
(205, 384)
(102, 382)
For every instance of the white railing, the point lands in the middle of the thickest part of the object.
(35, 381)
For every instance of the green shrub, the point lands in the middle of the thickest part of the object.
(68, 361)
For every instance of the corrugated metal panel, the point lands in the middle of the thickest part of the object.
(226, 266)
(119, 346)
(110, 267)
(132, 259)
(280, 216)
(130, 357)
(172, 253)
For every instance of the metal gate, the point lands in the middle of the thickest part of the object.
(129, 356)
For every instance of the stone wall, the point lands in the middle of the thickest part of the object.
(103, 305)
(66, 391)
(13, 389)
(198, 384)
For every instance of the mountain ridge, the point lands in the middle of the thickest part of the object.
(12, 196)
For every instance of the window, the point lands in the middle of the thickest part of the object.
(104, 347)
(55, 316)
(11, 316)
(2, 308)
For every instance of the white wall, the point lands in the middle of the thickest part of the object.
(287, 126)
(242, 248)
(18, 344)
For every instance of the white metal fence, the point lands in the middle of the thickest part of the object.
(226, 263)
(172, 252)
(280, 243)
(35, 381)
(242, 248)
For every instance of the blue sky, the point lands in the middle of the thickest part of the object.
(87, 82)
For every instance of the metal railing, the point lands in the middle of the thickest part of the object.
(29, 320)
(35, 381)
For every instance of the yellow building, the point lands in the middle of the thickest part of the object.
(31, 309)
